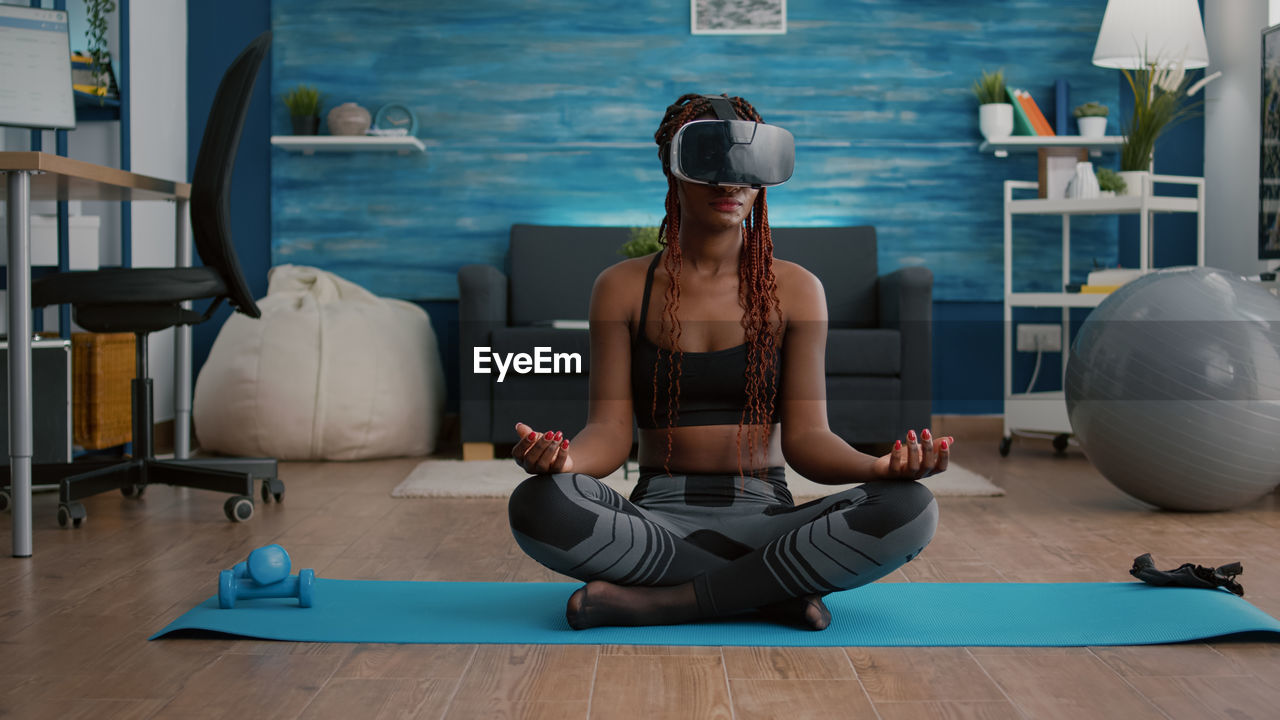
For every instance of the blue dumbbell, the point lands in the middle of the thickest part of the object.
(265, 575)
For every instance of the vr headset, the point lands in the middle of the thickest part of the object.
(729, 151)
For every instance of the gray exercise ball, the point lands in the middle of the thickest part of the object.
(1173, 389)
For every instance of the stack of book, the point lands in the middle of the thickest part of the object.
(1027, 117)
(1101, 282)
(85, 80)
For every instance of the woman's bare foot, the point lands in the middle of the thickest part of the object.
(600, 603)
(808, 612)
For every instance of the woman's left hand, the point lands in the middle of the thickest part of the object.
(917, 458)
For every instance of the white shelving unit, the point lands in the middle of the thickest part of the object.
(1033, 143)
(1045, 413)
(312, 144)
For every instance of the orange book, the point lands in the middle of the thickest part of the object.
(1036, 117)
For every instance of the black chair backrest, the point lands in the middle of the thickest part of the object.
(211, 181)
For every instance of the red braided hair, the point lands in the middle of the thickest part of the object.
(757, 291)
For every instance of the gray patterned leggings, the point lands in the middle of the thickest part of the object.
(741, 540)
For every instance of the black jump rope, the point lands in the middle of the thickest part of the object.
(1188, 575)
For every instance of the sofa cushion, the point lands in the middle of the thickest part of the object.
(844, 260)
(552, 269)
(865, 409)
(864, 352)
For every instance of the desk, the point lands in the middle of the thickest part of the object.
(41, 176)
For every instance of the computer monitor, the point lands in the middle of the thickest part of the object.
(35, 52)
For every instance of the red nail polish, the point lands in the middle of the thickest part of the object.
(925, 434)
(911, 435)
(897, 444)
(944, 444)
(533, 437)
(559, 436)
(564, 445)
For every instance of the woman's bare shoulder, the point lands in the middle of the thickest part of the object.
(795, 279)
(620, 281)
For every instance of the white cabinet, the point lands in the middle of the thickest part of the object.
(1044, 414)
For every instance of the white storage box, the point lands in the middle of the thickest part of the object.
(82, 236)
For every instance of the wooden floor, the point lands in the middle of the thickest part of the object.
(74, 619)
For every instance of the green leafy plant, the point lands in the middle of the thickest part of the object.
(96, 12)
(990, 89)
(1109, 179)
(644, 241)
(1090, 109)
(303, 101)
(1161, 100)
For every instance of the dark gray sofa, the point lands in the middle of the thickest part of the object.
(878, 346)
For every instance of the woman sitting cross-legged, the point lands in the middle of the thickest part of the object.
(717, 349)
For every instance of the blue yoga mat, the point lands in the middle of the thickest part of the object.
(881, 614)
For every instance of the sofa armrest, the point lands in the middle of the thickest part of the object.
(482, 308)
(906, 304)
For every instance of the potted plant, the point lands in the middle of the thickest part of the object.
(644, 241)
(995, 113)
(96, 13)
(1161, 94)
(1109, 182)
(1091, 119)
(304, 109)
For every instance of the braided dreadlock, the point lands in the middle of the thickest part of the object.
(757, 290)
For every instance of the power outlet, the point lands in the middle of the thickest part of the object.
(1033, 337)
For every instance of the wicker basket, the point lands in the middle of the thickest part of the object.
(101, 405)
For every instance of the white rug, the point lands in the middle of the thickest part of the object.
(496, 478)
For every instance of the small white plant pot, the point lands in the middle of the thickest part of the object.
(1137, 182)
(995, 120)
(1092, 126)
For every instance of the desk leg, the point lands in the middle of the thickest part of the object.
(19, 297)
(182, 348)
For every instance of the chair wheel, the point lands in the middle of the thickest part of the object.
(1005, 443)
(134, 491)
(272, 488)
(1060, 443)
(71, 513)
(5, 500)
(238, 508)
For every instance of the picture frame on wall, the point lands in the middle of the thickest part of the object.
(1269, 150)
(738, 17)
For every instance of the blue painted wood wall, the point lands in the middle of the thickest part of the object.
(544, 112)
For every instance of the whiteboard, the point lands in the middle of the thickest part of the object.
(35, 52)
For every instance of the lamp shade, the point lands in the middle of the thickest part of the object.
(1164, 32)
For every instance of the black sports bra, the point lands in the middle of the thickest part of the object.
(713, 385)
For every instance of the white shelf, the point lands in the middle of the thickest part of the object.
(1074, 300)
(1104, 206)
(1032, 143)
(1046, 412)
(311, 144)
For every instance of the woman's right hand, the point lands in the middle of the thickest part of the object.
(539, 453)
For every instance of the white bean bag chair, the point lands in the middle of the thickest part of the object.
(329, 372)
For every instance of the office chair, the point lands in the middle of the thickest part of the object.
(144, 300)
